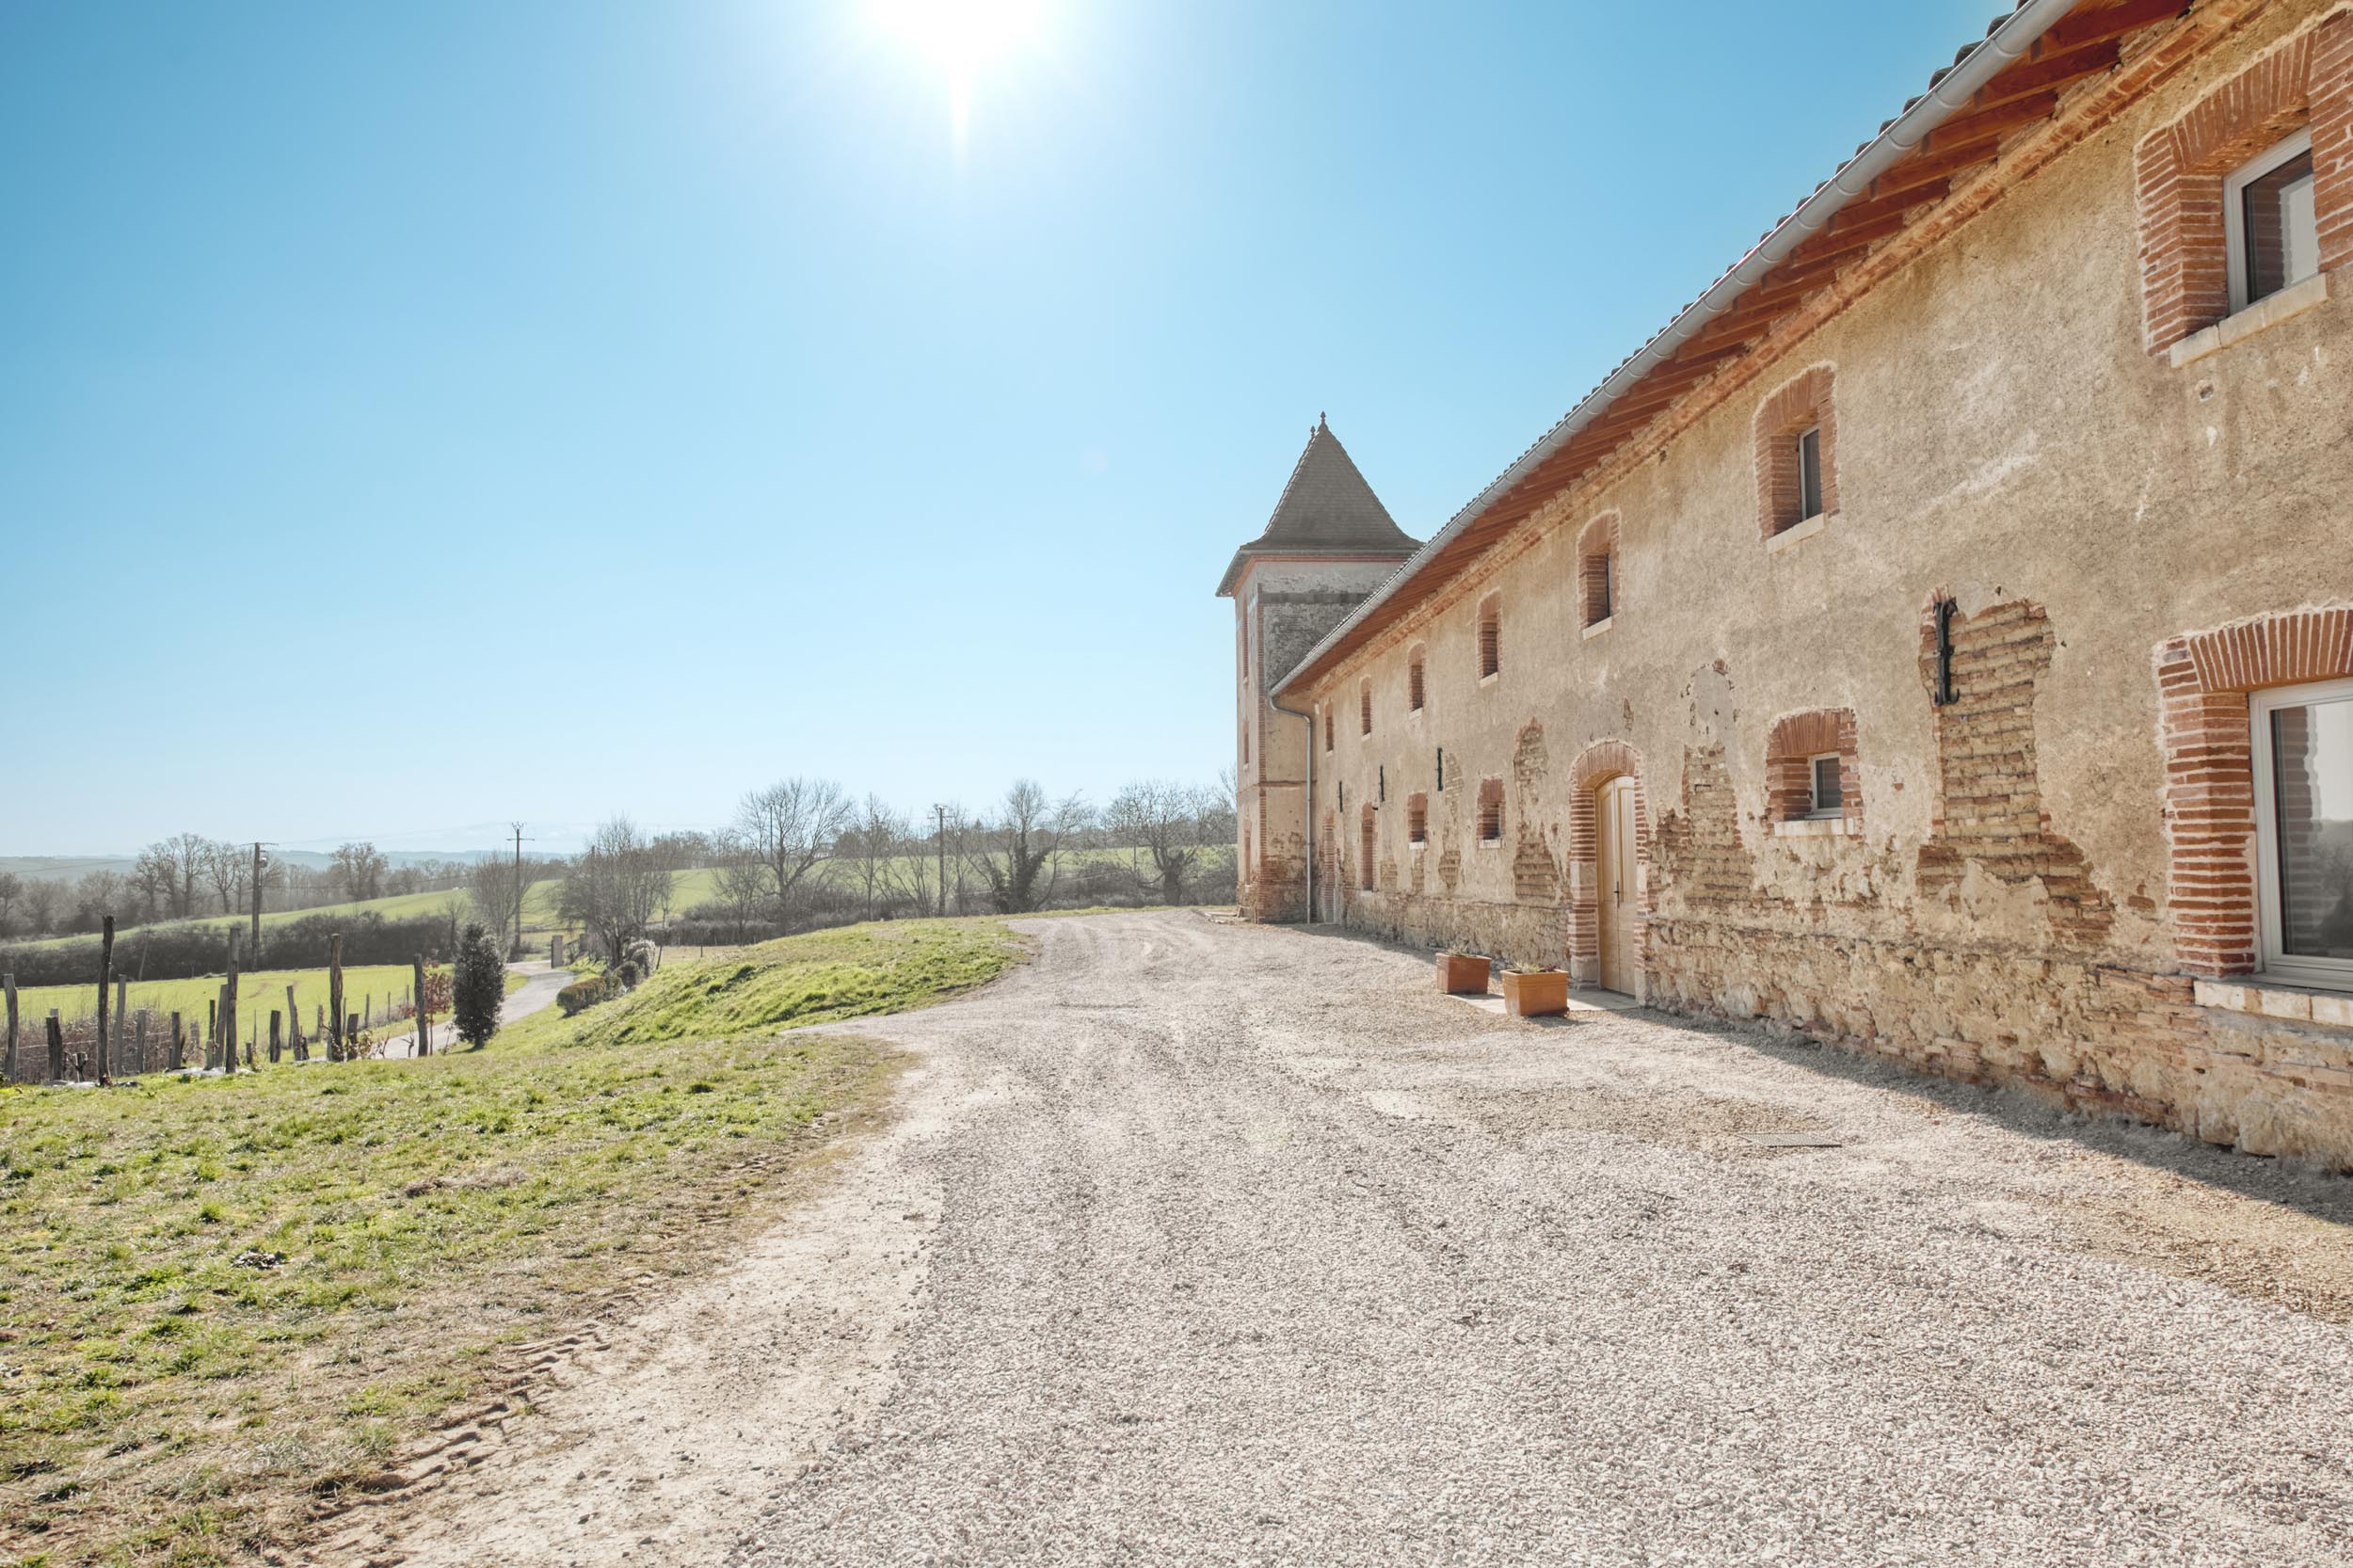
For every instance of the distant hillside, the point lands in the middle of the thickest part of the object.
(67, 867)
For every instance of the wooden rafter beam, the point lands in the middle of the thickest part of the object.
(1997, 120)
(2091, 26)
(2049, 71)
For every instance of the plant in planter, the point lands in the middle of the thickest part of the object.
(1462, 974)
(1532, 993)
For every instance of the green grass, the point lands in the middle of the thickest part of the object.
(221, 1298)
(257, 993)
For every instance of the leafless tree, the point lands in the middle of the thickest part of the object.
(1019, 848)
(96, 894)
(742, 879)
(878, 838)
(229, 868)
(616, 886)
(11, 899)
(677, 851)
(796, 825)
(43, 896)
(359, 871)
(496, 894)
(155, 883)
(1174, 824)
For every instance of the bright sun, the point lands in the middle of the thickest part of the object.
(961, 36)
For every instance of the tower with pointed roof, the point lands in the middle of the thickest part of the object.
(1329, 544)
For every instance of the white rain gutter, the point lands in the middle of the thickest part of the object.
(2000, 48)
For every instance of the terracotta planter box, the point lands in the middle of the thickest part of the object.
(1462, 974)
(1531, 995)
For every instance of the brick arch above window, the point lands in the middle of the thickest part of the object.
(1800, 407)
(2204, 680)
(1489, 635)
(2179, 169)
(1790, 751)
(1597, 568)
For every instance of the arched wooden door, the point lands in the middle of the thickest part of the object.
(1620, 898)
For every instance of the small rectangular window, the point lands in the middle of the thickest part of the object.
(1364, 708)
(2304, 821)
(1417, 820)
(1491, 811)
(1810, 475)
(1413, 684)
(2272, 225)
(1490, 639)
(1829, 795)
(1327, 729)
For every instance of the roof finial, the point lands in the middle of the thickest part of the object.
(1320, 424)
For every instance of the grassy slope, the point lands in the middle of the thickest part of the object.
(176, 1388)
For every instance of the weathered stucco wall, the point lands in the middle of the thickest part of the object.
(2002, 439)
(1282, 607)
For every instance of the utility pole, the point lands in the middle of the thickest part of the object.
(519, 887)
(940, 838)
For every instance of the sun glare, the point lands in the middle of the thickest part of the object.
(961, 38)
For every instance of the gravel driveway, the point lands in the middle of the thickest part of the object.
(1209, 1243)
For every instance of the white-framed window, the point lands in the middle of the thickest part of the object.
(1826, 795)
(2303, 746)
(1810, 473)
(2269, 221)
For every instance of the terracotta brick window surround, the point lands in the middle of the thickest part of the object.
(1366, 846)
(1489, 635)
(2248, 895)
(1417, 820)
(1415, 687)
(1797, 454)
(1364, 706)
(2250, 186)
(1811, 774)
(1597, 569)
(1491, 811)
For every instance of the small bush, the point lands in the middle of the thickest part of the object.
(479, 985)
(585, 993)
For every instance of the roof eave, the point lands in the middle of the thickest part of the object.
(2012, 39)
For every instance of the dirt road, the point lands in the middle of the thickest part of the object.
(537, 993)
(1209, 1243)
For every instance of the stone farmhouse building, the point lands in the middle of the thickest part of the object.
(1939, 638)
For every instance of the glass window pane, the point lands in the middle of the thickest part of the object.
(1809, 473)
(2311, 750)
(1827, 794)
(2282, 239)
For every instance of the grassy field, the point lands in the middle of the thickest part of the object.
(257, 993)
(222, 1300)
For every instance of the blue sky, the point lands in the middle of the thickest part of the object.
(417, 416)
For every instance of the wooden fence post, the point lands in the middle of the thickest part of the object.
(229, 1007)
(179, 1044)
(294, 1028)
(57, 1049)
(8, 982)
(139, 1036)
(105, 973)
(335, 995)
(416, 989)
(212, 1028)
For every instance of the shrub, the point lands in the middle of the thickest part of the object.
(479, 986)
(585, 993)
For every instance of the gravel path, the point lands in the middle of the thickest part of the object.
(1206, 1244)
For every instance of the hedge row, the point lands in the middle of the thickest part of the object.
(180, 952)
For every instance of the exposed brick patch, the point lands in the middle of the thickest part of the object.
(2202, 683)
(1451, 870)
(1988, 803)
(1594, 766)
(1529, 760)
(1368, 834)
(1535, 877)
(1789, 751)
(1700, 851)
(1799, 405)
(2180, 168)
